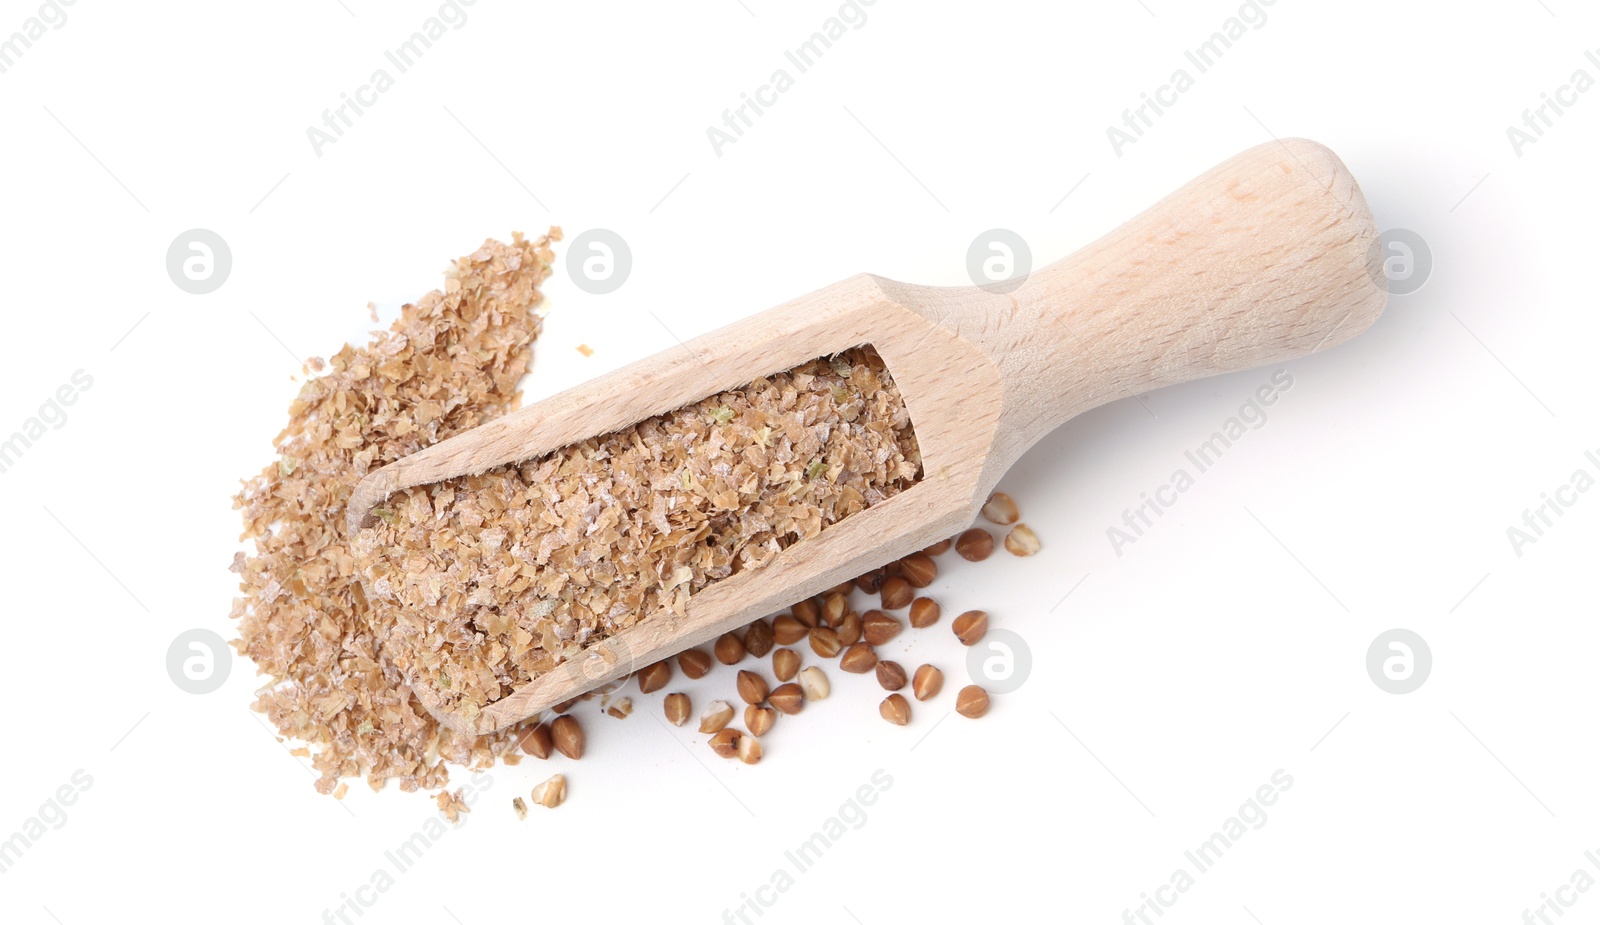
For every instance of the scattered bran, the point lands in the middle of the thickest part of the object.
(451, 362)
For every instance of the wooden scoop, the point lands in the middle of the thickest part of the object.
(1268, 256)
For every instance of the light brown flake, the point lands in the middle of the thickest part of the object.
(449, 363)
(452, 804)
(480, 584)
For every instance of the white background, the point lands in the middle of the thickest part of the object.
(1228, 643)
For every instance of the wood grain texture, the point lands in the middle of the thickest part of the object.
(1266, 257)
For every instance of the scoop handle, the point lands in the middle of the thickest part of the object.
(1268, 256)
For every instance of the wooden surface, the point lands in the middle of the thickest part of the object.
(1266, 257)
